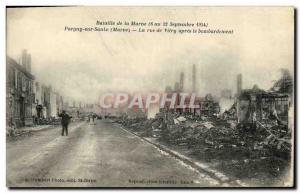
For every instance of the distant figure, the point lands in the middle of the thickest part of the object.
(94, 116)
(90, 116)
(65, 120)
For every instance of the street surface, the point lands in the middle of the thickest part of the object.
(100, 155)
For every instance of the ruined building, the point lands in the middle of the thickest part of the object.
(19, 93)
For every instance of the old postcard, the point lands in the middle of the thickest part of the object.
(150, 96)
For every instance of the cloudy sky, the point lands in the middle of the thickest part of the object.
(83, 65)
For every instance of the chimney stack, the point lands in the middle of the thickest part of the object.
(194, 78)
(24, 58)
(239, 84)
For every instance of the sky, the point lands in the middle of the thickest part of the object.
(83, 65)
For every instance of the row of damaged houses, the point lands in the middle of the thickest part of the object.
(28, 101)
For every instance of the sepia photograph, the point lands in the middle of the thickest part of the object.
(150, 97)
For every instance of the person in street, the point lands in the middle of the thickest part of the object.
(65, 120)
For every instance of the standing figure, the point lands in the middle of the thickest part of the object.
(65, 120)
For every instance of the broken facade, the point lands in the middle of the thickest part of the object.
(256, 105)
(27, 100)
(19, 93)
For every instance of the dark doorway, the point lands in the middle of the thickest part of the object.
(22, 111)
